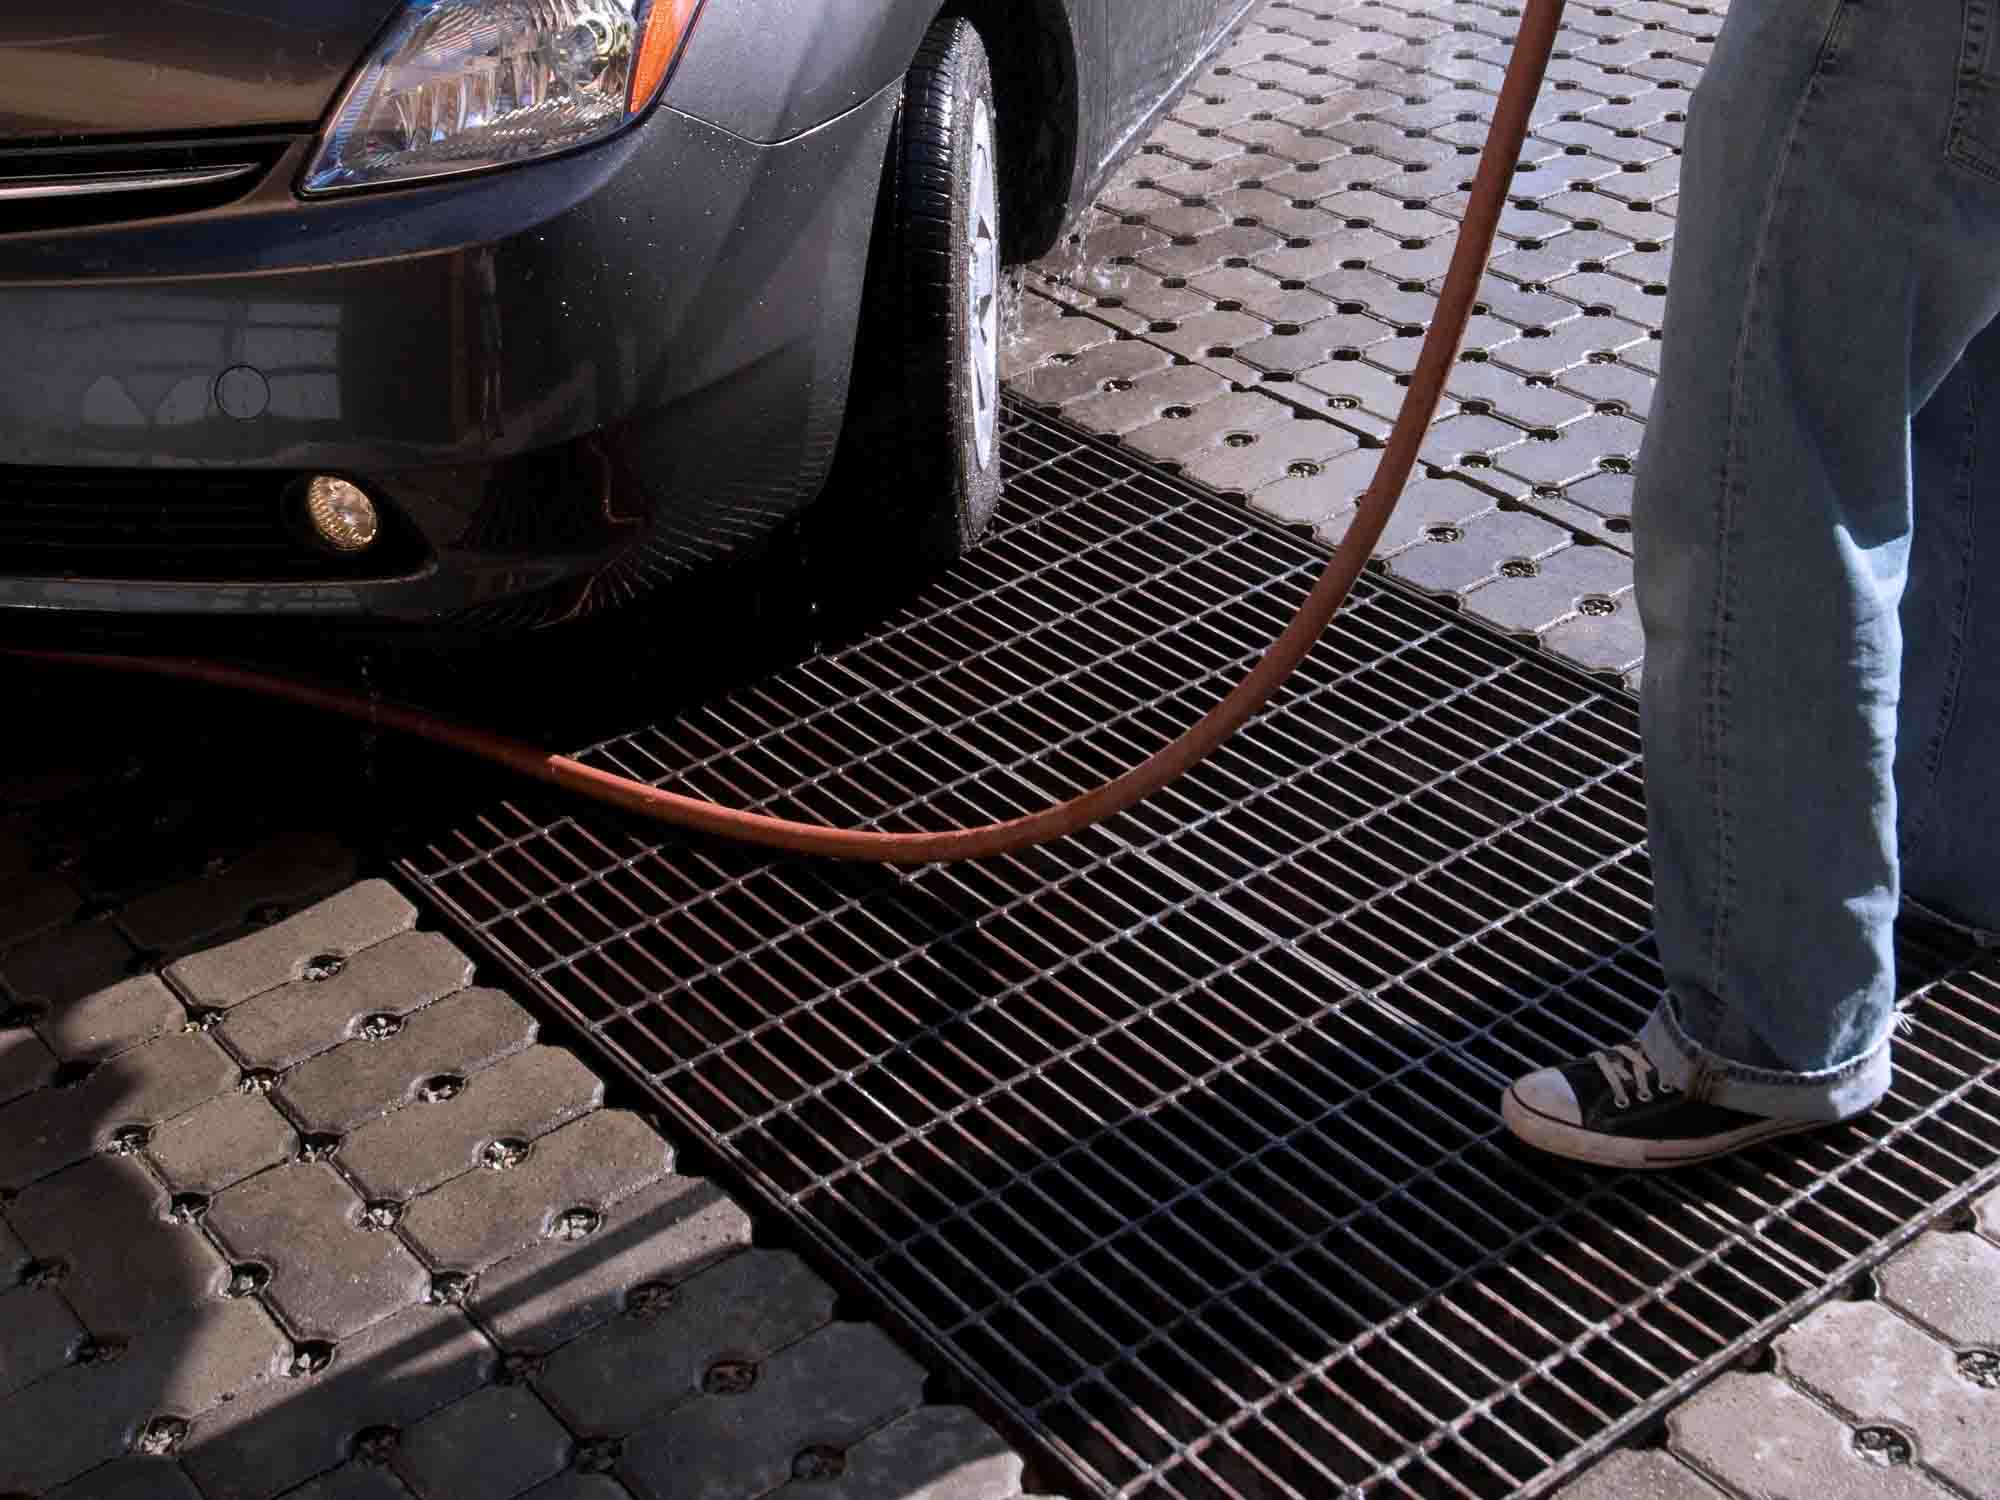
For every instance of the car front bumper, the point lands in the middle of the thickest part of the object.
(570, 380)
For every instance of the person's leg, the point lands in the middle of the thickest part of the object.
(1838, 247)
(1948, 736)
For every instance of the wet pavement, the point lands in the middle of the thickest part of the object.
(300, 1194)
(1249, 295)
(292, 1203)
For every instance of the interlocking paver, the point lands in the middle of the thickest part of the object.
(1269, 456)
(522, 1097)
(305, 1016)
(1768, 1442)
(1308, 186)
(747, 1308)
(493, 1445)
(128, 1265)
(331, 1274)
(59, 968)
(654, 1239)
(32, 903)
(353, 1481)
(1488, 541)
(130, 1479)
(357, 918)
(1950, 1283)
(1632, 1475)
(1122, 365)
(364, 1078)
(288, 1430)
(833, 1388)
(25, 1063)
(1121, 411)
(590, 1164)
(1612, 643)
(45, 1131)
(1532, 593)
(37, 1333)
(1881, 1369)
(935, 1453)
(86, 1414)
(575, 1486)
(102, 1023)
(221, 1142)
(293, 867)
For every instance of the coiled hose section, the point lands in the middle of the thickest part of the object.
(1533, 47)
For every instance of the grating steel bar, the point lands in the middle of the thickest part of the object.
(1179, 1138)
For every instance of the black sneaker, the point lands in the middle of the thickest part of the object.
(1612, 1109)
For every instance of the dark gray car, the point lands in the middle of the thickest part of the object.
(476, 311)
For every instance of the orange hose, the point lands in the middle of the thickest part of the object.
(1533, 47)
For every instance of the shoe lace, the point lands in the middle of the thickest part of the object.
(1625, 1064)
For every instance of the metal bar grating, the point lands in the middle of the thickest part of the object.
(1180, 1138)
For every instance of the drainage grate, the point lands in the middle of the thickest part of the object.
(1180, 1137)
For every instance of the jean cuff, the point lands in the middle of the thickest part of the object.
(1829, 1094)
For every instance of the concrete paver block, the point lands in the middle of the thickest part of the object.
(288, 1430)
(522, 1097)
(25, 1063)
(615, 1377)
(1769, 1442)
(1951, 1284)
(935, 1453)
(833, 1388)
(286, 1025)
(86, 1414)
(661, 1235)
(575, 1486)
(127, 1264)
(219, 1143)
(56, 970)
(285, 870)
(358, 917)
(37, 1333)
(46, 1131)
(32, 904)
(491, 1446)
(130, 1479)
(1633, 1475)
(354, 1481)
(1870, 1362)
(330, 1275)
(365, 1078)
(106, 1022)
(484, 1216)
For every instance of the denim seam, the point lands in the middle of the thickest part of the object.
(1975, 39)
(1733, 470)
(1954, 676)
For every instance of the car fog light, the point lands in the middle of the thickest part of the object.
(340, 513)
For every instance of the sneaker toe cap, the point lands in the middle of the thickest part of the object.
(1548, 1093)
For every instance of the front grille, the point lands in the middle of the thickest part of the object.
(27, 168)
(169, 526)
(1178, 1139)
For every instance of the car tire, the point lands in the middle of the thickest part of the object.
(923, 429)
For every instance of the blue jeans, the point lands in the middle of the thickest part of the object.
(1815, 510)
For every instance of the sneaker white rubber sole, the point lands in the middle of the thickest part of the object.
(1602, 1149)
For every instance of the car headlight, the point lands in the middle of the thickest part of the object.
(463, 85)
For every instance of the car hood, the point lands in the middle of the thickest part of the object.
(88, 68)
